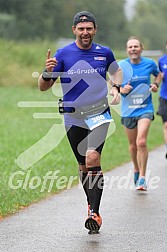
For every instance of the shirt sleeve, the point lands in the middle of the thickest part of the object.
(159, 65)
(155, 69)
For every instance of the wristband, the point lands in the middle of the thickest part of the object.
(46, 76)
(117, 87)
(156, 84)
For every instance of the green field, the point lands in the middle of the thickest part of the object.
(20, 131)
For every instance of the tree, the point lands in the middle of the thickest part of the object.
(53, 19)
(149, 23)
(7, 26)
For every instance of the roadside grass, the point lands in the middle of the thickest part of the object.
(19, 131)
(20, 59)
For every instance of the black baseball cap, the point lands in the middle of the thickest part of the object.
(84, 16)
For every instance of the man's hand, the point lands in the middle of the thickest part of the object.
(45, 80)
(116, 96)
(153, 88)
(126, 89)
(50, 62)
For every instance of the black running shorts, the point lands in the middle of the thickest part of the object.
(82, 139)
(162, 110)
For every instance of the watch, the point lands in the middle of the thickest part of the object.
(46, 76)
(117, 87)
(156, 84)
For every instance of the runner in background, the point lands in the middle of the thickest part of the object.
(137, 107)
(162, 110)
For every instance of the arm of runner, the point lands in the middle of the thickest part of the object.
(126, 89)
(116, 96)
(162, 75)
(115, 82)
(156, 82)
(117, 77)
(45, 81)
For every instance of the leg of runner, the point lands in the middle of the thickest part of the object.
(142, 154)
(165, 136)
(95, 189)
(132, 135)
(96, 141)
(141, 141)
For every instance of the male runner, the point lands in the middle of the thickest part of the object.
(82, 67)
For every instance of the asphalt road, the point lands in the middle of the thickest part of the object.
(132, 221)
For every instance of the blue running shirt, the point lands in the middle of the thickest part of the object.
(163, 68)
(83, 75)
(139, 100)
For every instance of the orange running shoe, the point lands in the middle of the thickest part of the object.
(93, 222)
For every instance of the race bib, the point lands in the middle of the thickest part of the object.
(136, 99)
(97, 120)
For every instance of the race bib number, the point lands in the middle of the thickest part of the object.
(136, 101)
(97, 120)
(138, 97)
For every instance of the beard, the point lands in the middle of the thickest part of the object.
(86, 42)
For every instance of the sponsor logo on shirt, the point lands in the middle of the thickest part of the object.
(139, 78)
(87, 71)
(97, 47)
(100, 58)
